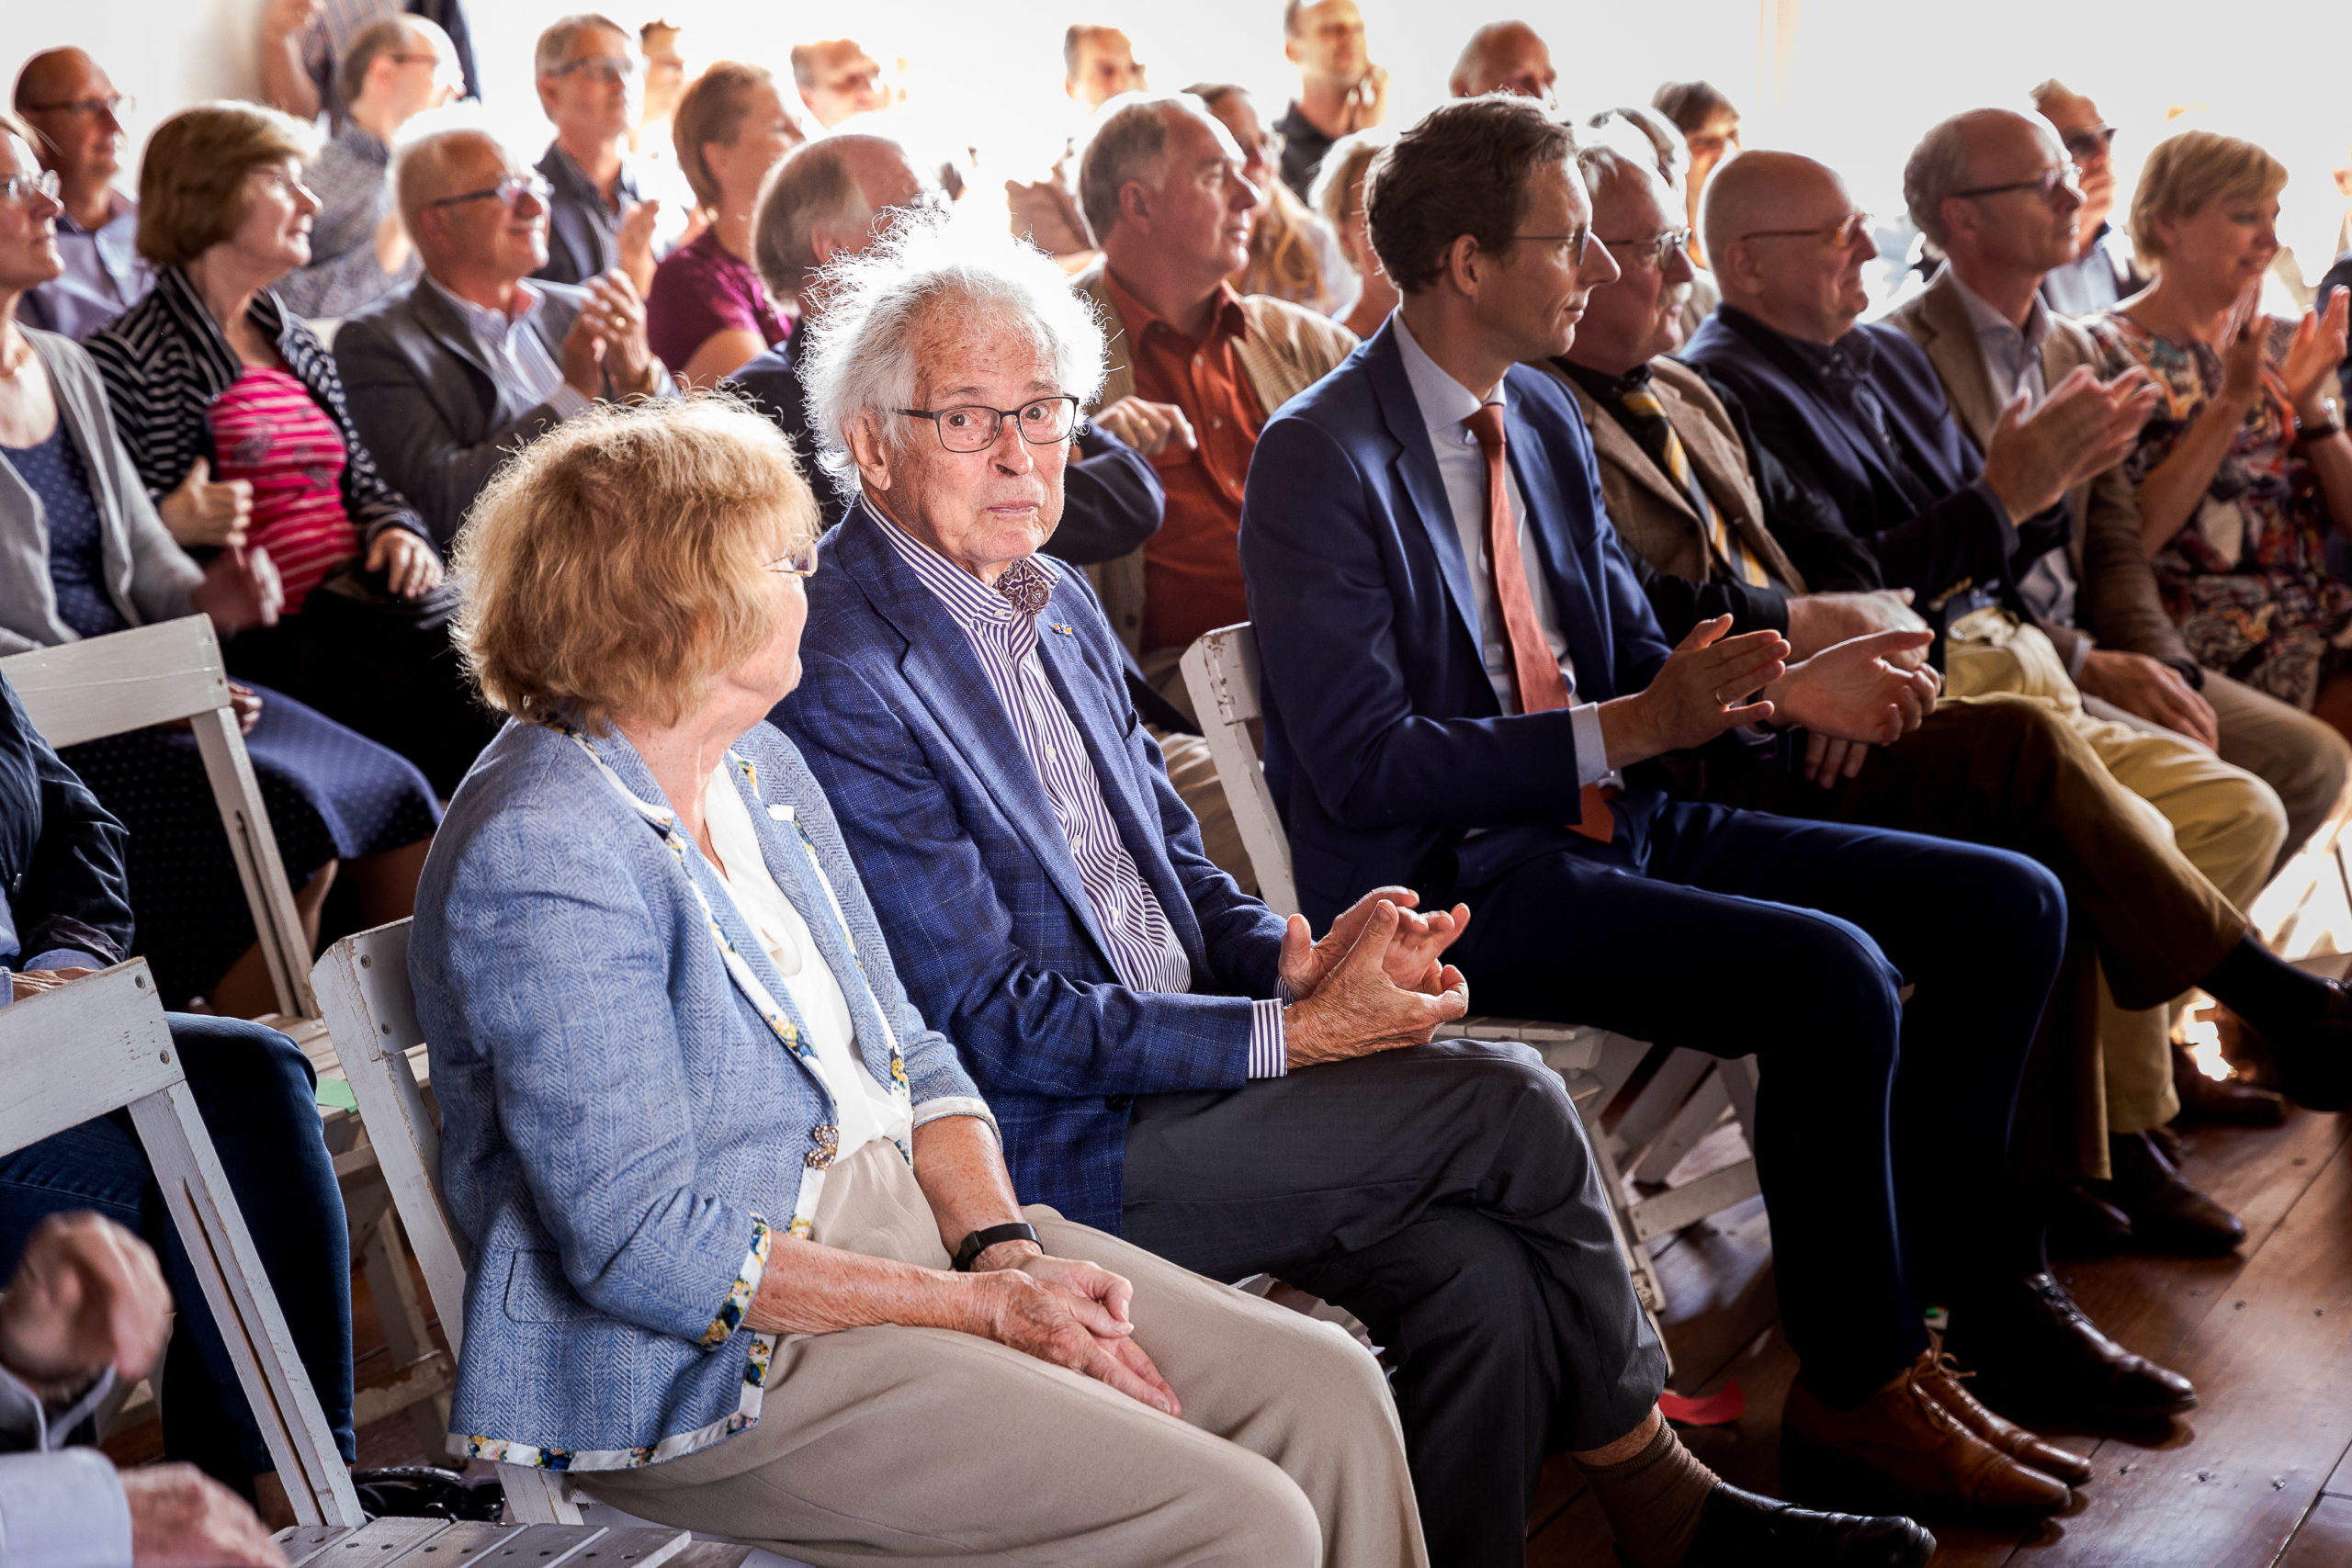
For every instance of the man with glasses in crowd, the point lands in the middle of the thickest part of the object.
(2101, 272)
(75, 111)
(303, 43)
(395, 70)
(838, 80)
(600, 215)
(447, 376)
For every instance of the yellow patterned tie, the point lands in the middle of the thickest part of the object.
(1729, 548)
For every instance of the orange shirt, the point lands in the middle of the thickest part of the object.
(1192, 566)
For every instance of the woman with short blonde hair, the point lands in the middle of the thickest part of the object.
(709, 314)
(2245, 469)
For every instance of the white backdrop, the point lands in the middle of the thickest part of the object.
(1852, 81)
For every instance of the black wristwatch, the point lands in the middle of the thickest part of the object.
(980, 1241)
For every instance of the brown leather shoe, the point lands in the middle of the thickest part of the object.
(2167, 1215)
(1905, 1436)
(1943, 1381)
(2230, 1101)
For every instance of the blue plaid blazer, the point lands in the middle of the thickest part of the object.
(978, 895)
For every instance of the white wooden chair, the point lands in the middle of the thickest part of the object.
(101, 1045)
(363, 983)
(173, 671)
(1655, 1124)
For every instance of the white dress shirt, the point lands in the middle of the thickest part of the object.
(519, 363)
(1445, 403)
(866, 1112)
(2013, 365)
(60, 1507)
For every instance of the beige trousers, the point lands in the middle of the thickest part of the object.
(2225, 822)
(921, 1445)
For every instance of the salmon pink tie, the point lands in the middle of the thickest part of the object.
(1535, 674)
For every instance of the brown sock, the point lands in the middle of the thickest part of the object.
(1652, 1499)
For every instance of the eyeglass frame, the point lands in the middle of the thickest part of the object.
(999, 415)
(1842, 234)
(290, 183)
(532, 185)
(792, 565)
(1582, 238)
(1667, 242)
(2046, 183)
(620, 67)
(46, 184)
(115, 106)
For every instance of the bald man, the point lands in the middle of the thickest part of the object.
(2101, 272)
(71, 104)
(1505, 57)
(395, 70)
(453, 371)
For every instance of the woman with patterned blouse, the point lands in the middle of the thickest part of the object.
(2246, 468)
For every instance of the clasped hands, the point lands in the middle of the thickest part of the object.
(607, 340)
(1863, 690)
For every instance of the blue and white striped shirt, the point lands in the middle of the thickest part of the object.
(1144, 950)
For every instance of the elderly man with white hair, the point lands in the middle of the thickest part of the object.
(1167, 1058)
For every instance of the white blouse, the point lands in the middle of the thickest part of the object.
(864, 1109)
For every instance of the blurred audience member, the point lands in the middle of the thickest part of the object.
(1293, 255)
(71, 104)
(1202, 367)
(395, 70)
(85, 556)
(837, 79)
(61, 866)
(1097, 64)
(1710, 128)
(303, 42)
(665, 78)
(453, 373)
(836, 198)
(2102, 272)
(1338, 197)
(1504, 57)
(2245, 471)
(2338, 276)
(709, 314)
(599, 216)
(1339, 89)
(1632, 130)
(87, 1313)
(210, 375)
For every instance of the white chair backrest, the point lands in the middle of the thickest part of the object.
(105, 685)
(1221, 674)
(363, 986)
(102, 1044)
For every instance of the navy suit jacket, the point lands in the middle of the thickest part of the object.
(1384, 741)
(978, 892)
(1962, 538)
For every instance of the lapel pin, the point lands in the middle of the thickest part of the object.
(1063, 629)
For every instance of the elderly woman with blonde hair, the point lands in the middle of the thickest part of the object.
(746, 1257)
(2245, 469)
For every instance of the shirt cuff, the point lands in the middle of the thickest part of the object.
(567, 400)
(2079, 657)
(62, 958)
(62, 1510)
(1592, 750)
(28, 1422)
(2000, 508)
(1268, 1039)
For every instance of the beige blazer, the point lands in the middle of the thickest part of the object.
(1287, 349)
(2119, 603)
(1651, 513)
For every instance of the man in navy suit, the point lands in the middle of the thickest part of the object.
(1460, 665)
(1165, 1057)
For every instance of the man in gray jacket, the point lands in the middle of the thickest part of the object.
(449, 376)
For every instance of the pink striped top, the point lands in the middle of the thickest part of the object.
(266, 430)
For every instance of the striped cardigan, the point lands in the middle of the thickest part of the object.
(164, 361)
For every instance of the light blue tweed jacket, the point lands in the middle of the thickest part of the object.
(620, 1126)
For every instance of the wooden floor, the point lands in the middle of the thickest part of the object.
(2257, 1475)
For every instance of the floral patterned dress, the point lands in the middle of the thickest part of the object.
(2246, 577)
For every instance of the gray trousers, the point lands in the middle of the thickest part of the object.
(1445, 1195)
(885, 1444)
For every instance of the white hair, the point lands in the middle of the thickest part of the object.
(862, 348)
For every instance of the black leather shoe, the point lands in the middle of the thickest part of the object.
(1740, 1529)
(2229, 1103)
(2038, 1354)
(2167, 1215)
(2315, 1061)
